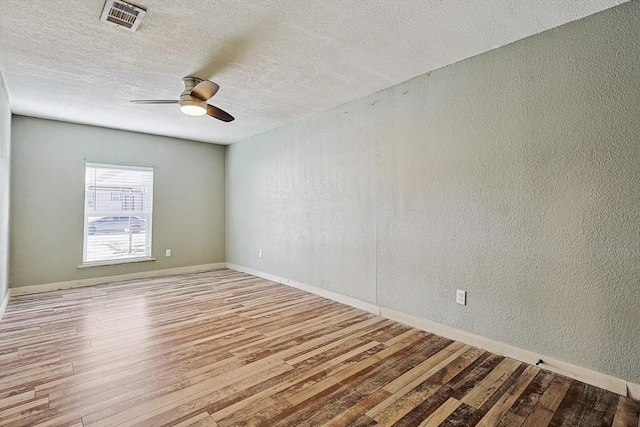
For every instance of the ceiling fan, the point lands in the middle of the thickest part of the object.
(193, 100)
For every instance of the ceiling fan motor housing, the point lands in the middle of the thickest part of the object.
(193, 100)
(189, 104)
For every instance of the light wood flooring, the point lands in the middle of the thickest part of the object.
(225, 348)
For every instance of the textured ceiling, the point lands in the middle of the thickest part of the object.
(275, 61)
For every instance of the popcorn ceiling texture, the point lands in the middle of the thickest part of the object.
(513, 175)
(276, 61)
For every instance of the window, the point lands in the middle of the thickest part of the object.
(117, 213)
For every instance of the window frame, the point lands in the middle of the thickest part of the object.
(146, 214)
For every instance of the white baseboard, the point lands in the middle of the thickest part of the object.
(34, 289)
(579, 373)
(3, 306)
(335, 296)
(633, 390)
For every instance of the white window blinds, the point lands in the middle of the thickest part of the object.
(117, 213)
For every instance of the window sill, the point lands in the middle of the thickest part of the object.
(115, 262)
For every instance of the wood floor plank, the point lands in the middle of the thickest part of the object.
(364, 386)
(527, 400)
(403, 406)
(262, 411)
(17, 399)
(23, 406)
(627, 412)
(177, 410)
(577, 403)
(546, 407)
(485, 388)
(603, 410)
(295, 383)
(505, 402)
(202, 356)
(223, 348)
(149, 404)
(357, 410)
(405, 383)
(442, 413)
(201, 420)
(458, 386)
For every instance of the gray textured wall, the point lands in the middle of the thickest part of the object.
(513, 175)
(48, 166)
(5, 163)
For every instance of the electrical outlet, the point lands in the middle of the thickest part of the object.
(260, 253)
(167, 253)
(461, 297)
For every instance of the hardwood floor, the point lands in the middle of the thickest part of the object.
(224, 348)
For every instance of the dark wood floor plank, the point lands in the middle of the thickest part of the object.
(577, 403)
(402, 411)
(358, 390)
(223, 348)
(490, 414)
(548, 403)
(527, 400)
(627, 412)
(604, 409)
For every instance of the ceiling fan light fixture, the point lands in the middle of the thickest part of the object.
(193, 100)
(193, 108)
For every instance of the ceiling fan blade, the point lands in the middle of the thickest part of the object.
(204, 90)
(219, 114)
(155, 101)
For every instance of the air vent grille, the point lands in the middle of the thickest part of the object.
(122, 14)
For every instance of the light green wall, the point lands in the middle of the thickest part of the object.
(5, 163)
(48, 165)
(514, 175)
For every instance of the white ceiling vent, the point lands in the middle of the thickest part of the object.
(122, 14)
